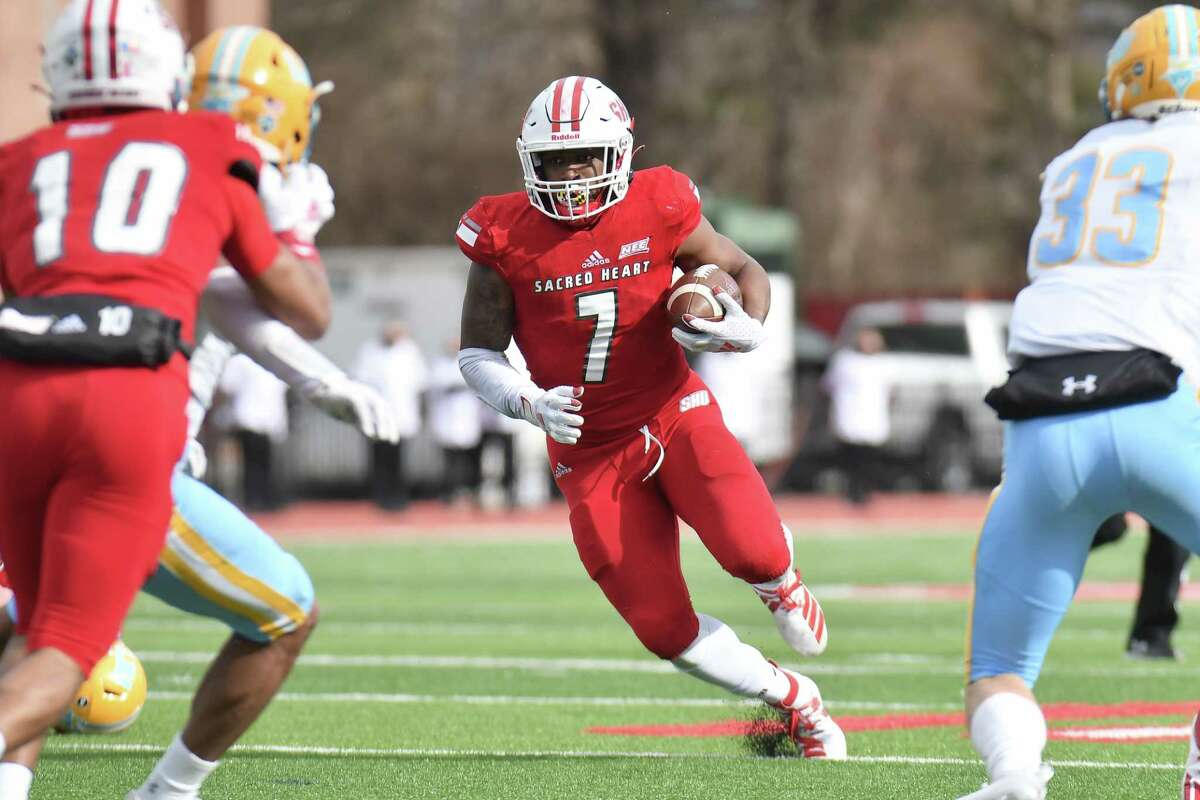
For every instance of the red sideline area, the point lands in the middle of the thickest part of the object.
(1055, 712)
(884, 514)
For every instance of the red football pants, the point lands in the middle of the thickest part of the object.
(85, 469)
(625, 526)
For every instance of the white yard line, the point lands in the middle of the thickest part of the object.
(57, 744)
(517, 700)
(177, 623)
(893, 664)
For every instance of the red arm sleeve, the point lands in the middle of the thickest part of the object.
(251, 246)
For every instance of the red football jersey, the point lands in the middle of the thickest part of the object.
(138, 206)
(590, 302)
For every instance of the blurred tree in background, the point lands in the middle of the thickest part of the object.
(906, 135)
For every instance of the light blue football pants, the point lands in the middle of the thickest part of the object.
(1063, 476)
(217, 563)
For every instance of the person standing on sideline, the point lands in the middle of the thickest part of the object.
(456, 422)
(255, 411)
(1157, 612)
(393, 365)
(859, 389)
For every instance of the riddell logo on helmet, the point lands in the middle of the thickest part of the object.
(563, 137)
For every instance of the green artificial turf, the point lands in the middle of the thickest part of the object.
(475, 669)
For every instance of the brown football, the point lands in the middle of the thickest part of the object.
(692, 294)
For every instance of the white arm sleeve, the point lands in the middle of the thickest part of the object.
(229, 306)
(204, 372)
(497, 383)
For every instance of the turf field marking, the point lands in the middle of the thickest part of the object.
(175, 623)
(56, 745)
(948, 666)
(517, 700)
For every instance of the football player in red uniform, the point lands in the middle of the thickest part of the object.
(123, 200)
(577, 269)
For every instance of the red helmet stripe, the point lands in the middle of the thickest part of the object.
(576, 96)
(112, 39)
(87, 40)
(555, 104)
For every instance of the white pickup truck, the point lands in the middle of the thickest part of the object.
(941, 356)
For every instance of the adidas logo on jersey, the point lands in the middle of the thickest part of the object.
(560, 470)
(594, 260)
(69, 324)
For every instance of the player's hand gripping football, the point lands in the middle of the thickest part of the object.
(553, 412)
(359, 405)
(736, 332)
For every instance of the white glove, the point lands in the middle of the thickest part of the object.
(310, 186)
(285, 209)
(736, 332)
(357, 404)
(551, 411)
(195, 460)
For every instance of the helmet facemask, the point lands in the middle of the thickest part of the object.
(576, 113)
(578, 198)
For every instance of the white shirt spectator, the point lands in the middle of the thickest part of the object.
(455, 413)
(397, 371)
(858, 390)
(257, 400)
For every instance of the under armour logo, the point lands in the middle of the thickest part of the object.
(1070, 384)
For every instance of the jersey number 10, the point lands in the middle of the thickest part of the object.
(1137, 208)
(138, 199)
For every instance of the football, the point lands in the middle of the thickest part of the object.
(692, 294)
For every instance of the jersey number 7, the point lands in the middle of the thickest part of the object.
(602, 306)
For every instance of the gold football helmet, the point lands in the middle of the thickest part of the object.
(112, 696)
(1154, 66)
(258, 79)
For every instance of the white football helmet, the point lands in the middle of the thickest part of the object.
(115, 53)
(574, 113)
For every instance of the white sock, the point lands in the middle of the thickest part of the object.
(15, 780)
(1009, 733)
(3, 745)
(770, 587)
(180, 772)
(717, 656)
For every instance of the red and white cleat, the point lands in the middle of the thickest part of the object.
(1191, 772)
(809, 725)
(798, 616)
